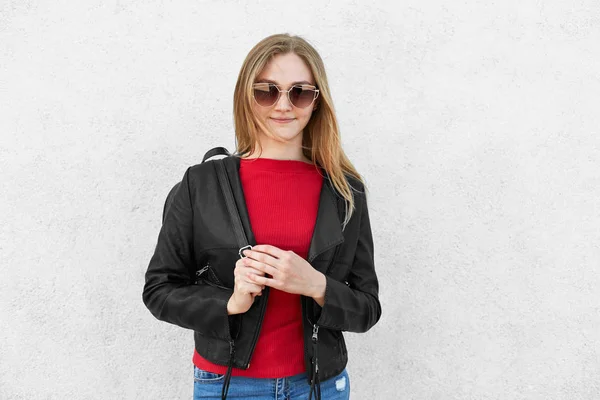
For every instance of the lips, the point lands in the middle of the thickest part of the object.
(282, 119)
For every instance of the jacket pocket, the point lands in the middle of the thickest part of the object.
(208, 276)
(202, 376)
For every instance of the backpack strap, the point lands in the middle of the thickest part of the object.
(234, 214)
(217, 151)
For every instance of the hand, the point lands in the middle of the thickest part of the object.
(284, 270)
(244, 290)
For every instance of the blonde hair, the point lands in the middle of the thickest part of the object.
(321, 137)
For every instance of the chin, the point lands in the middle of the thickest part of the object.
(285, 133)
(288, 137)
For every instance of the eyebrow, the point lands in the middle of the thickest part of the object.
(276, 83)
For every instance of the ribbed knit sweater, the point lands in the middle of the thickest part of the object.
(282, 198)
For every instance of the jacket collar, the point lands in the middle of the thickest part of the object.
(328, 226)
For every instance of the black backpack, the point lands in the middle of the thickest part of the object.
(217, 151)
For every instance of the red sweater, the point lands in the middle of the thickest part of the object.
(282, 198)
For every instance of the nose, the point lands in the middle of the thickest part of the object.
(283, 103)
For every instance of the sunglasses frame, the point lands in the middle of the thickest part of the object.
(287, 92)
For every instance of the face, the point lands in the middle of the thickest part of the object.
(284, 119)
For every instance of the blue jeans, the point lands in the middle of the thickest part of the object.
(207, 385)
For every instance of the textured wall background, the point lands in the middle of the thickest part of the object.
(476, 125)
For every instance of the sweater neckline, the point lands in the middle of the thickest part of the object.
(274, 165)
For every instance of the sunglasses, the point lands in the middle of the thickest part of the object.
(300, 96)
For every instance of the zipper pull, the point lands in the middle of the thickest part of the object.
(199, 274)
(201, 271)
(315, 340)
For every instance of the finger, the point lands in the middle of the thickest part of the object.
(262, 267)
(273, 251)
(246, 279)
(244, 269)
(264, 258)
(264, 281)
(248, 288)
(279, 256)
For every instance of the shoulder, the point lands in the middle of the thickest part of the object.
(198, 174)
(206, 172)
(198, 170)
(207, 168)
(355, 184)
(357, 187)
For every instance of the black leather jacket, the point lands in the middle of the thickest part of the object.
(190, 276)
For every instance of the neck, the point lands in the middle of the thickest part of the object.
(268, 148)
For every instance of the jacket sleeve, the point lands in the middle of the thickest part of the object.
(169, 292)
(355, 306)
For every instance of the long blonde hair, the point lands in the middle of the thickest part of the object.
(321, 138)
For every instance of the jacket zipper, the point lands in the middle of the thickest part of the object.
(263, 308)
(208, 281)
(200, 272)
(265, 295)
(315, 326)
(315, 341)
(315, 383)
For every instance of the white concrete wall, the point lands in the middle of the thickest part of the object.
(475, 123)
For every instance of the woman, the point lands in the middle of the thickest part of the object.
(268, 324)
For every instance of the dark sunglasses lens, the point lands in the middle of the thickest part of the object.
(265, 94)
(301, 97)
